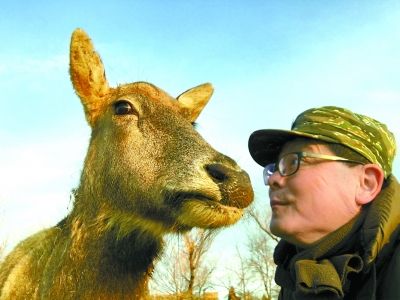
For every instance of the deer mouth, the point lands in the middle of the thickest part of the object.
(180, 197)
(200, 210)
(177, 199)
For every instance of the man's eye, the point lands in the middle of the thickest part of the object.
(293, 162)
(123, 107)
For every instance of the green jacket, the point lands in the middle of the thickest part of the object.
(360, 260)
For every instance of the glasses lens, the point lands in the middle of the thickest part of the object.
(289, 164)
(268, 171)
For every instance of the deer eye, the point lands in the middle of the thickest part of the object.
(123, 107)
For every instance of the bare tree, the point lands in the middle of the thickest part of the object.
(260, 249)
(183, 269)
(243, 275)
(167, 277)
(238, 280)
(262, 222)
(232, 294)
(252, 277)
(197, 276)
(261, 264)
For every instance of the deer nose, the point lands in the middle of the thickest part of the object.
(218, 172)
(234, 183)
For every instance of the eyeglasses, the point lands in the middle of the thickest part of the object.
(290, 163)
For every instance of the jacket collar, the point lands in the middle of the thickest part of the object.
(382, 222)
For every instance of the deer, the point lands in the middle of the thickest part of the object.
(147, 173)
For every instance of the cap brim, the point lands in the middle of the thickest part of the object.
(266, 144)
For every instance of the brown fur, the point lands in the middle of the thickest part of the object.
(146, 173)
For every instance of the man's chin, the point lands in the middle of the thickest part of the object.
(279, 228)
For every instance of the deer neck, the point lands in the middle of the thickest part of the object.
(115, 243)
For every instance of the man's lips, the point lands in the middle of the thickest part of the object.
(276, 201)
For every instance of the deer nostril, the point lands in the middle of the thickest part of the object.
(218, 172)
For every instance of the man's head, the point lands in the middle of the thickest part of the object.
(313, 194)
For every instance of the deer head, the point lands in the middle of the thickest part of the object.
(146, 165)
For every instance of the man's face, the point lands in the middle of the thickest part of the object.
(316, 200)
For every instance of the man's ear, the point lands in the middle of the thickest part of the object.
(371, 181)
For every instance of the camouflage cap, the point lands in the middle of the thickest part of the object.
(363, 134)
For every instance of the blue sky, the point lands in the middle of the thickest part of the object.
(268, 61)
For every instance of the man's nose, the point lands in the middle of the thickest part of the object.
(275, 180)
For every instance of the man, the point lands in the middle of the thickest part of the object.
(335, 204)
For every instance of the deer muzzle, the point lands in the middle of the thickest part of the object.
(234, 184)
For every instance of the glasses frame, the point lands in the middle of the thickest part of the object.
(271, 168)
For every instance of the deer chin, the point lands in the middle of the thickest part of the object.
(205, 213)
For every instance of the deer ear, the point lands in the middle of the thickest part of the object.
(194, 100)
(87, 74)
